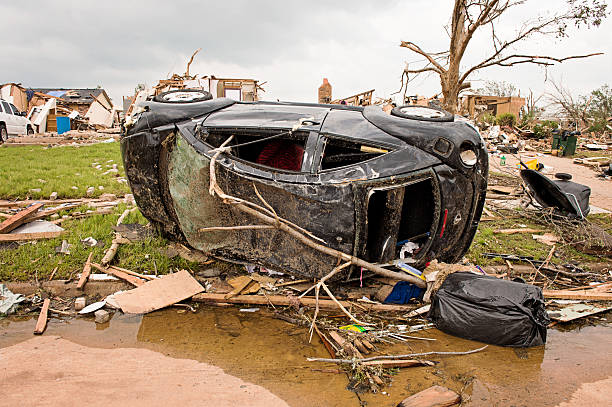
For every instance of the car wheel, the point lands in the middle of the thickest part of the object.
(183, 96)
(3, 133)
(423, 113)
(30, 130)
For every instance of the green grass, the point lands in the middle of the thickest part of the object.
(21, 167)
(39, 258)
(590, 153)
(58, 169)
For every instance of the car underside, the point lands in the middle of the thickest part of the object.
(369, 184)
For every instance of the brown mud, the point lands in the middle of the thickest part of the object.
(272, 354)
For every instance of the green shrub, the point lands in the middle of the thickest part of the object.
(489, 119)
(544, 128)
(506, 119)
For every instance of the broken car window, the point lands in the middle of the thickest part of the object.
(281, 150)
(340, 153)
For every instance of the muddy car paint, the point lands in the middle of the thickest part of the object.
(416, 188)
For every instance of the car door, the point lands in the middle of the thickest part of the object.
(20, 121)
(11, 123)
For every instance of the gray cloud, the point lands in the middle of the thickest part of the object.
(290, 44)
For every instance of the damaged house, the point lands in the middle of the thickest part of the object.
(85, 108)
(93, 104)
(475, 105)
(245, 90)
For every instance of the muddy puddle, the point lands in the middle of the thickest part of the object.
(272, 353)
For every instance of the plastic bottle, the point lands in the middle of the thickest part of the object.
(502, 160)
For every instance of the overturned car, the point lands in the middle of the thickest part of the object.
(380, 187)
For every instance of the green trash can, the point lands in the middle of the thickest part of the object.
(569, 145)
(565, 142)
(555, 141)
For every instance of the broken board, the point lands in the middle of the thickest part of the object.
(159, 293)
(19, 218)
(576, 311)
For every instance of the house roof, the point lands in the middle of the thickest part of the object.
(79, 96)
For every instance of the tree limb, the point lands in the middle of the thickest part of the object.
(415, 48)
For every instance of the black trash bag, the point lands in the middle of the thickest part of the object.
(570, 198)
(490, 310)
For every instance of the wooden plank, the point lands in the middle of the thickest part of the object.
(435, 396)
(41, 324)
(385, 364)
(135, 281)
(239, 283)
(21, 204)
(133, 273)
(577, 295)
(19, 218)
(327, 305)
(48, 212)
(514, 231)
(18, 237)
(85, 273)
(159, 293)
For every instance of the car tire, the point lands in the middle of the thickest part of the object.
(29, 130)
(3, 133)
(422, 113)
(183, 96)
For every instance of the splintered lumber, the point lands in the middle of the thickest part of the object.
(360, 346)
(435, 396)
(325, 341)
(21, 204)
(239, 283)
(291, 283)
(327, 305)
(133, 273)
(85, 273)
(578, 295)
(514, 231)
(385, 364)
(344, 344)
(159, 293)
(49, 212)
(19, 218)
(41, 324)
(135, 281)
(112, 250)
(18, 237)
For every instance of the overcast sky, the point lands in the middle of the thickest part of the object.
(292, 45)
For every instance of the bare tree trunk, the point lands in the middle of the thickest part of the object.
(450, 91)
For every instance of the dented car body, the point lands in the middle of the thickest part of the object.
(366, 183)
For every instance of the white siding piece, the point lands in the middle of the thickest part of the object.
(97, 114)
(40, 113)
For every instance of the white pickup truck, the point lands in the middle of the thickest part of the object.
(12, 121)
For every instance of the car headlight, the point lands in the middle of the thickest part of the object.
(468, 154)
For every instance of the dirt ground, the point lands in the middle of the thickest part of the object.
(601, 189)
(51, 371)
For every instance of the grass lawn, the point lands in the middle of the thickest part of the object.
(59, 169)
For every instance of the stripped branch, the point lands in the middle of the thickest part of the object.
(391, 357)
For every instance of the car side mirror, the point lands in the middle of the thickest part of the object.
(24, 114)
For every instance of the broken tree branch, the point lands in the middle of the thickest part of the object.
(391, 357)
(263, 214)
